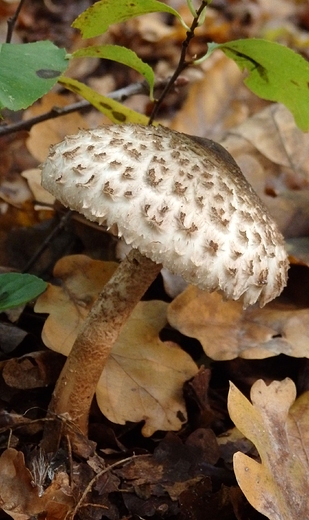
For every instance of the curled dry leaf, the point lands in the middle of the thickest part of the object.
(34, 370)
(144, 377)
(273, 155)
(20, 496)
(278, 485)
(226, 331)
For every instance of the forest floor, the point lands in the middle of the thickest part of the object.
(132, 465)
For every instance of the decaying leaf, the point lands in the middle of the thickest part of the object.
(20, 496)
(226, 331)
(144, 377)
(277, 486)
(35, 370)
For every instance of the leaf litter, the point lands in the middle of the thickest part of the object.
(185, 475)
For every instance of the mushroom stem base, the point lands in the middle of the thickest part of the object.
(78, 380)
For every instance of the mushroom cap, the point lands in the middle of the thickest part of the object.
(180, 202)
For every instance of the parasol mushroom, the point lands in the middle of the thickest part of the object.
(179, 201)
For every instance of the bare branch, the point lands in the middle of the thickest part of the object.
(12, 21)
(182, 64)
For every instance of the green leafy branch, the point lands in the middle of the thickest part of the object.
(28, 71)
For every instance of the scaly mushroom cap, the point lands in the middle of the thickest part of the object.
(181, 203)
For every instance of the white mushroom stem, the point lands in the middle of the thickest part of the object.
(78, 380)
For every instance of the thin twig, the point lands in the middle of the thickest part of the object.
(12, 21)
(182, 64)
(87, 490)
(61, 224)
(119, 95)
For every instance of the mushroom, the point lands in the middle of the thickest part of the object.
(179, 201)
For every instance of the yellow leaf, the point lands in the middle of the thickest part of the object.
(277, 487)
(115, 111)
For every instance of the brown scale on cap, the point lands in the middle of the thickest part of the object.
(214, 230)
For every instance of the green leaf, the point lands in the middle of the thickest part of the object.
(98, 17)
(18, 289)
(115, 111)
(121, 55)
(276, 73)
(28, 71)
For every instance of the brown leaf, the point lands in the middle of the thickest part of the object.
(216, 109)
(68, 304)
(278, 486)
(35, 370)
(18, 498)
(41, 195)
(21, 498)
(272, 153)
(226, 331)
(50, 132)
(144, 376)
(172, 469)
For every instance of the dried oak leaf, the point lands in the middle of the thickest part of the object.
(143, 378)
(277, 486)
(69, 303)
(272, 153)
(226, 331)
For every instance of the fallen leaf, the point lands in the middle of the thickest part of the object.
(20, 496)
(10, 337)
(226, 331)
(272, 154)
(44, 134)
(35, 370)
(14, 191)
(216, 109)
(41, 195)
(174, 466)
(278, 485)
(68, 304)
(143, 378)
